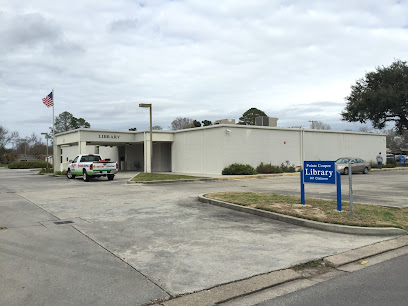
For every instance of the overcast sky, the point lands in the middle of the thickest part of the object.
(212, 59)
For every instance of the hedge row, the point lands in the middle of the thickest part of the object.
(245, 169)
(29, 164)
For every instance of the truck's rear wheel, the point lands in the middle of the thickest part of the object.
(69, 174)
(86, 177)
(111, 176)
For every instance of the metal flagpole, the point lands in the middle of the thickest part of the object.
(53, 132)
(53, 118)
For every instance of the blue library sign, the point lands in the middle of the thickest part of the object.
(321, 172)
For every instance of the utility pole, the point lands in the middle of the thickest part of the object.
(313, 123)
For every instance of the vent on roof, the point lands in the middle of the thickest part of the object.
(224, 121)
(266, 121)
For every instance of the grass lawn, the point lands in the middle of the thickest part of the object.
(146, 177)
(318, 209)
(3, 165)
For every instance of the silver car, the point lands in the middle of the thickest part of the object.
(357, 165)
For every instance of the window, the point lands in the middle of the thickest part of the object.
(90, 158)
(75, 159)
(342, 161)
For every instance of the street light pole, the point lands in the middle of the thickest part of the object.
(151, 135)
(46, 157)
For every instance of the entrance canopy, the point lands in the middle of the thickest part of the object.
(82, 137)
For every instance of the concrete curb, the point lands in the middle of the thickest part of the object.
(256, 176)
(390, 169)
(337, 228)
(171, 181)
(229, 291)
(367, 251)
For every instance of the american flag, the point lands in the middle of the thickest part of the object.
(48, 100)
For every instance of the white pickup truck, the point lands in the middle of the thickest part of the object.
(91, 165)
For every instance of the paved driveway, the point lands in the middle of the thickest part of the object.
(134, 243)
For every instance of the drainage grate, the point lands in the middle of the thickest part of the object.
(63, 222)
(2, 227)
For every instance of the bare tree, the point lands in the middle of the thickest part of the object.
(5, 138)
(396, 142)
(365, 129)
(318, 125)
(157, 127)
(181, 124)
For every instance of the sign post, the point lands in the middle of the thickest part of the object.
(338, 178)
(320, 172)
(350, 187)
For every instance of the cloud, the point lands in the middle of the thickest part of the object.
(124, 25)
(199, 59)
(27, 30)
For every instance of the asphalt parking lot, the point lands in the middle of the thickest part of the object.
(132, 243)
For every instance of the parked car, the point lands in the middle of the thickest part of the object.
(357, 165)
(391, 156)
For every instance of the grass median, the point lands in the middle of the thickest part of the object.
(147, 177)
(318, 209)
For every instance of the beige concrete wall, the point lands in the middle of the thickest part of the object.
(332, 145)
(111, 152)
(198, 151)
(67, 138)
(108, 137)
(209, 150)
(162, 157)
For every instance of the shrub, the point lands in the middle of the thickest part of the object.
(44, 170)
(268, 168)
(391, 163)
(239, 169)
(288, 168)
(29, 164)
(8, 158)
(64, 172)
